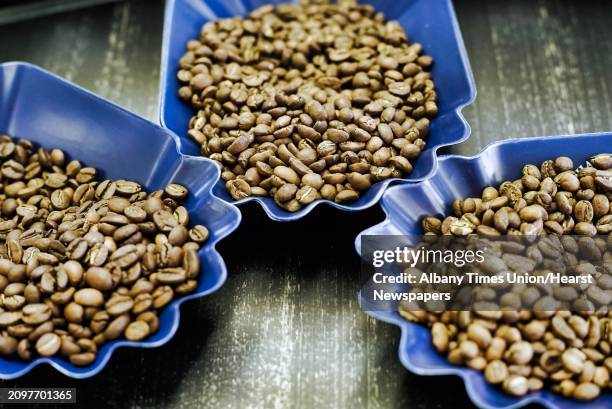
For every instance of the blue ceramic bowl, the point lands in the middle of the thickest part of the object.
(430, 22)
(459, 177)
(49, 111)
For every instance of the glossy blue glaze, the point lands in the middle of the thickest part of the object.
(49, 111)
(430, 22)
(459, 177)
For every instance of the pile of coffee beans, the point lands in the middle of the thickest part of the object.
(85, 261)
(521, 348)
(308, 101)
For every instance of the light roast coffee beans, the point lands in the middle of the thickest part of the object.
(84, 261)
(305, 102)
(522, 349)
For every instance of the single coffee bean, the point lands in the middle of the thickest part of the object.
(163, 219)
(34, 314)
(127, 232)
(496, 372)
(48, 344)
(586, 391)
(162, 296)
(516, 385)
(137, 331)
(346, 196)
(74, 312)
(178, 235)
(238, 188)
(127, 187)
(199, 234)
(176, 191)
(117, 327)
(8, 345)
(99, 278)
(89, 297)
(82, 359)
(135, 213)
(119, 304)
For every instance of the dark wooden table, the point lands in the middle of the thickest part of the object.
(285, 331)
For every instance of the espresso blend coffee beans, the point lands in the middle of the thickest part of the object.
(304, 102)
(85, 261)
(521, 346)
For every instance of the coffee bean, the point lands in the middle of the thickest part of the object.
(583, 211)
(162, 296)
(8, 318)
(119, 304)
(85, 175)
(127, 187)
(238, 188)
(117, 327)
(135, 213)
(178, 235)
(285, 193)
(82, 359)
(142, 303)
(48, 344)
(176, 191)
(346, 196)
(74, 312)
(516, 385)
(98, 278)
(152, 205)
(602, 161)
(8, 345)
(199, 234)
(24, 349)
(496, 372)
(89, 297)
(131, 232)
(34, 314)
(137, 331)
(151, 319)
(307, 195)
(586, 391)
(163, 219)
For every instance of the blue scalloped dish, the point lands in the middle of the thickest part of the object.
(459, 177)
(432, 23)
(49, 111)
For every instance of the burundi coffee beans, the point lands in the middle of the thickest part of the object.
(304, 102)
(84, 261)
(522, 348)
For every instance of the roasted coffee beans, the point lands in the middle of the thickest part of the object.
(521, 349)
(305, 102)
(84, 261)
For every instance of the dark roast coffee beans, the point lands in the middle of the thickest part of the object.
(84, 261)
(295, 92)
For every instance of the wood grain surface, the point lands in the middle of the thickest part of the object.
(285, 331)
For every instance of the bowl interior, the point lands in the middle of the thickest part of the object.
(53, 113)
(460, 177)
(431, 23)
